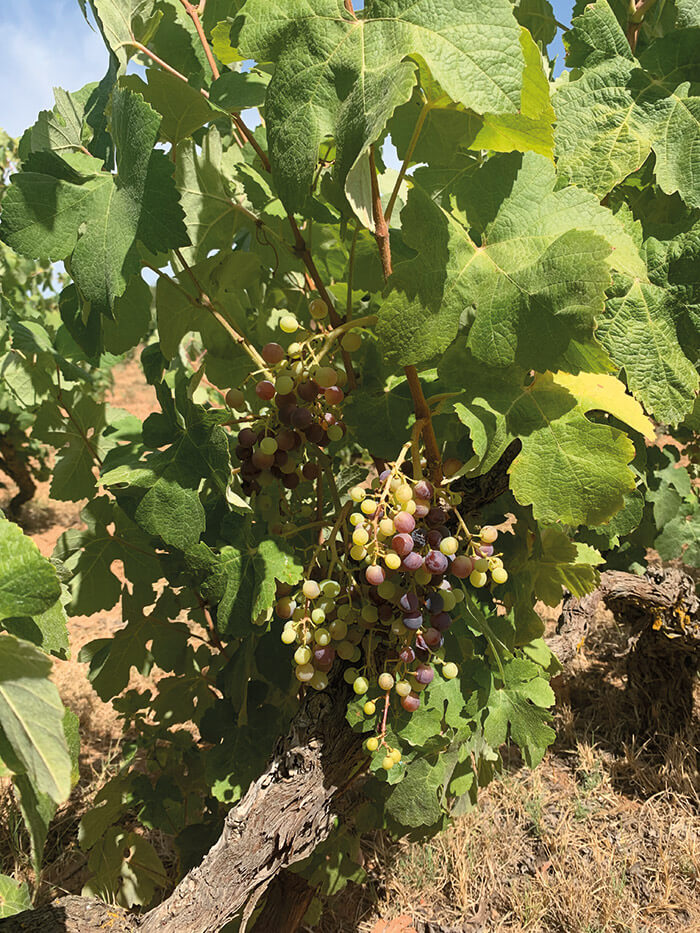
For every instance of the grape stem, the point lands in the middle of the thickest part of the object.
(387, 696)
(420, 406)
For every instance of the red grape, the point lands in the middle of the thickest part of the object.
(402, 544)
(273, 353)
(462, 566)
(411, 702)
(265, 390)
(436, 562)
(404, 522)
(375, 575)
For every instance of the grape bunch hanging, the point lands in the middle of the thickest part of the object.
(383, 604)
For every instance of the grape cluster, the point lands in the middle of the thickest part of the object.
(385, 605)
(297, 412)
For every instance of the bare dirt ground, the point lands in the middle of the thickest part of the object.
(604, 837)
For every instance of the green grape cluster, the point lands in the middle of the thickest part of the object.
(383, 603)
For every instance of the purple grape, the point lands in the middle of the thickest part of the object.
(435, 602)
(285, 413)
(302, 418)
(285, 440)
(407, 655)
(404, 522)
(424, 674)
(265, 390)
(409, 602)
(285, 401)
(413, 620)
(334, 395)
(422, 509)
(423, 489)
(412, 562)
(486, 550)
(402, 544)
(436, 562)
(432, 637)
(462, 566)
(262, 461)
(442, 621)
(247, 437)
(315, 434)
(384, 476)
(385, 612)
(436, 516)
(243, 453)
(411, 702)
(434, 538)
(308, 391)
(311, 471)
(273, 353)
(419, 537)
(290, 480)
(325, 655)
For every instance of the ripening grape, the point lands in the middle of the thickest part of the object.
(449, 670)
(265, 390)
(235, 399)
(402, 544)
(385, 681)
(432, 637)
(413, 562)
(423, 490)
(411, 702)
(436, 562)
(499, 575)
(374, 575)
(247, 438)
(462, 566)
(372, 744)
(288, 323)
(423, 674)
(334, 395)
(402, 687)
(488, 534)
(360, 685)
(477, 579)
(318, 309)
(404, 522)
(451, 466)
(311, 589)
(325, 376)
(272, 353)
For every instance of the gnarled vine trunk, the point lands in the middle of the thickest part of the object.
(662, 611)
(282, 818)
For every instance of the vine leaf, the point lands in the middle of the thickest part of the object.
(31, 719)
(182, 108)
(14, 897)
(29, 584)
(340, 76)
(533, 263)
(619, 109)
(519, 709)
(67, 208)
(570, 469)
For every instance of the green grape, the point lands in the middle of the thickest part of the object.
(369, 613)
(396, 755)
(385, 681)
(386, 589)
(344, 611)
(330, 588)
(402, 687)
(449, 546)
(338, 629)
(372, 744)
(311, 589)
(449, 670)
(288, 636)
(499, 575)
(319, 681)
(388, 763)
(368, 506)
(360, 536)
(318, 309)
(481, 564)
(302, 655)
(288, 323)
(357, 518)
(284, 385)
(392, 560)
(345, 651)
(403, 493)
(318, 616)
(351, 342)
(304, 673)
(350, 675)
(360, 685)
(268, 445)
(477, 578)
(357, 493)
(335, 433)
(488, 534)
(358, 552)
(387, 527)
(235, 399)
(369, 708)
(322, 637)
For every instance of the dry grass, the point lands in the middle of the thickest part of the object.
(604, 837)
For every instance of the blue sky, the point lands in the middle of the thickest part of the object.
(47, 43)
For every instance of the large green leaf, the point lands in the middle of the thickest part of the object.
(530, 261)
(14, 897)
(183, 108)
(28, 582)
(341, 75)
(68, 208)
(31, 718)
(618, 109)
